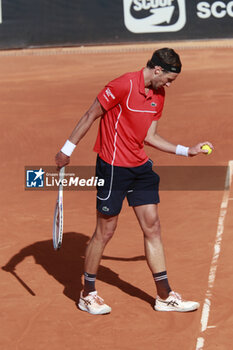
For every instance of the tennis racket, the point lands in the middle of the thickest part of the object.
(58, 214)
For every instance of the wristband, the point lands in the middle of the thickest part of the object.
(182, 150)
(68, 148)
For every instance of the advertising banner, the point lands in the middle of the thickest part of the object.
(33, 23)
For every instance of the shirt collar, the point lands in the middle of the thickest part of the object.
(142, 85)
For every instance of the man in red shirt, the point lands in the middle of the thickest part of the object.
(130, 107)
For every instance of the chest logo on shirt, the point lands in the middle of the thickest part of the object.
(153, 104)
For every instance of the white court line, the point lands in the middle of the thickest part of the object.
(214, 262)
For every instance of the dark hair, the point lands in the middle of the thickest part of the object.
(167, 57)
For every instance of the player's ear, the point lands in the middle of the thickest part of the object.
(157, 69)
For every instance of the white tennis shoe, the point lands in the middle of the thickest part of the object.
(175, 303)
(93, 304)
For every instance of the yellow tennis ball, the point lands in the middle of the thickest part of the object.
(207, 147)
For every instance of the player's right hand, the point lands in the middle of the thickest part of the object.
(61, 160)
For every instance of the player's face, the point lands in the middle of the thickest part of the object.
(162, 78)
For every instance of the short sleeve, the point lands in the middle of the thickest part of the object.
(113, 93)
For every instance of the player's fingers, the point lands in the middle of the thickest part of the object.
(61, 164)
(207, 143)
(61, 160)
(206, 149)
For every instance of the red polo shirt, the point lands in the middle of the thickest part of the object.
(129, 114)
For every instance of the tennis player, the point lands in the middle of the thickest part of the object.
(129, 109)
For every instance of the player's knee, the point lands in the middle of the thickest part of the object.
(105, 233)
(105, 229)
(107, 236)
(152, 229)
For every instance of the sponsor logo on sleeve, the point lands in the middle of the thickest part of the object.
(154, 16)
(108, 94)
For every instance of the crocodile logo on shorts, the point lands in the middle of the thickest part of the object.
(154, 16)
(105, 209)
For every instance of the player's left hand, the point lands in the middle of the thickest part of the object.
(193, 151)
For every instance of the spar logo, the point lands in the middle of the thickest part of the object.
(154, 16)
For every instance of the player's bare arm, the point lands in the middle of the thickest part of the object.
(155, 140)
(84, 124)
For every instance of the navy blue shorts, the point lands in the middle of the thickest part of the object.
(139, 184)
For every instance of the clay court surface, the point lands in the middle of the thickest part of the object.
(43, 94)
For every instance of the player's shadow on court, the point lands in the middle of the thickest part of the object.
(67, 264)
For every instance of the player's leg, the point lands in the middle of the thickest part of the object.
(167, 300)
(109, 201)
(148, 218)
(105, 228)
(144, 198)
(89, 299)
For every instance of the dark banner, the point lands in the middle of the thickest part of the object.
(172, 178)
(33, 23)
